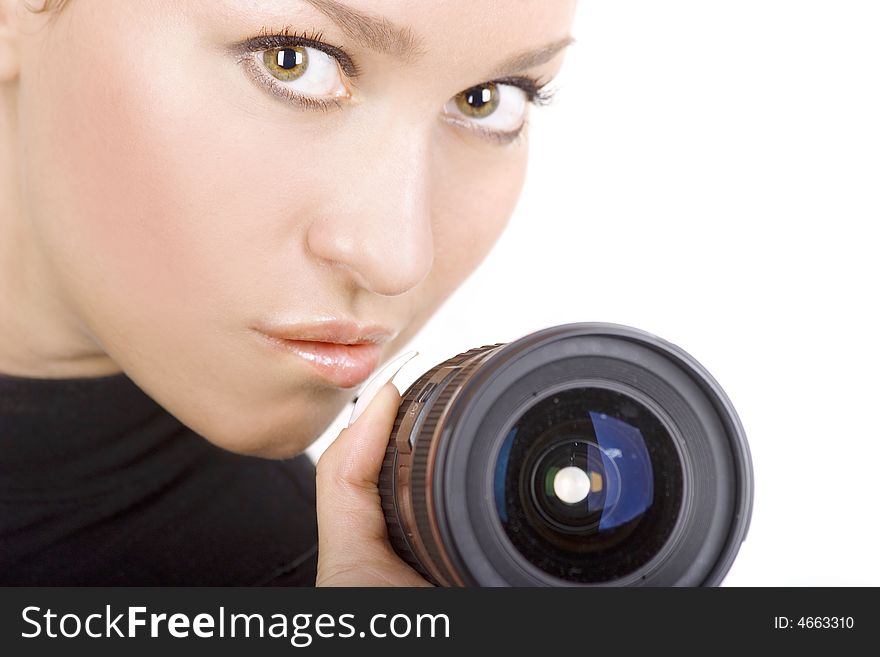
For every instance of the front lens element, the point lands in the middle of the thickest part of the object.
(588, 484)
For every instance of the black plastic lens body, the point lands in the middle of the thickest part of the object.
(582, 454)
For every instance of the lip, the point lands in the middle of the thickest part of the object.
(342, 352)
(332, 330)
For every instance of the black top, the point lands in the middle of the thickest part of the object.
(99, 485)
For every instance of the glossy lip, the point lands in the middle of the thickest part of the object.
(331, 330)
(343, 352)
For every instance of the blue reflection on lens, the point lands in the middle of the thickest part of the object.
(501, 474)
(624, 443)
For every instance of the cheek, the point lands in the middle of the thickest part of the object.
(148, 194)
(165, 211)
(477, 191)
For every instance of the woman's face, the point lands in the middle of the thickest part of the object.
(187, 190)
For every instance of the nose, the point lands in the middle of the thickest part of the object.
(376, 223)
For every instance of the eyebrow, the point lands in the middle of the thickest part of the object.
(381, 35)
(532, 58)
(374, 32)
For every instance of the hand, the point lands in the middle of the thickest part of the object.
(353, 547)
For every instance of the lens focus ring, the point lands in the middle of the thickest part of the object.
(440, 387)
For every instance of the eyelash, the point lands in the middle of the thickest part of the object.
(535, 90)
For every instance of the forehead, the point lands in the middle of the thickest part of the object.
(411, 30)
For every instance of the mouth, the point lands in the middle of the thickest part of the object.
(343, 365)
(342, 353)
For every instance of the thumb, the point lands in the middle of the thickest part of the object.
(348, 470)
(351, 524)
(353, 547)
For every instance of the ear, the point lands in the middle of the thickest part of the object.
(13, 13)
(8, 40)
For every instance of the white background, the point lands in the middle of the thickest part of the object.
(710, 172)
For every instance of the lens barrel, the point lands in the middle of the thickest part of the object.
(588, 454)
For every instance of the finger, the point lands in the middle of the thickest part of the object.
(349, 509)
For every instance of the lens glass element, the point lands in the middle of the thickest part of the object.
(588, 484)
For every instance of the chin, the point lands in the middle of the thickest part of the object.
(274, 449)
(276, 445)
(276, 452)
(274, 441)
(275, 423)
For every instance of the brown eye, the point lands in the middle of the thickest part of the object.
(478, 102)
(300, 73)
(287, 64)
(490, 108)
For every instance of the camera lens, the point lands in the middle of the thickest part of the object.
(588, 484)
(583, 454)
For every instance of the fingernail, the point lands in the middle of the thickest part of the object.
(375, 384)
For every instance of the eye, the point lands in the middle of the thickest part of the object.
(306, 71)
(491, 106)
